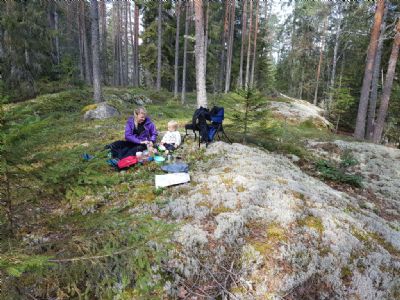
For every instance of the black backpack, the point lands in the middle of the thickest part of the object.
(199, 122)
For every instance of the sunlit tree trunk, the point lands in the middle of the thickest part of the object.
(159, 32)
(96, 52)
(375, 81)
(242, 47)
(254, 46)
(199, 54)
(365, 90)
(387, 89)
(178, 13)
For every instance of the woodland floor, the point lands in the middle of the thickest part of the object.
(295, 212)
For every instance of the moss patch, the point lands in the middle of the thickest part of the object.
(312, 222)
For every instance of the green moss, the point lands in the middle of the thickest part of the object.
(385, 244)
(221, 209)
(262, 247)
(240, 188)
(276, 233)
(312, 222)
(88, 107)
(324, 251)
(346, 273)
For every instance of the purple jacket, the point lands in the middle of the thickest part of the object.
(149, 134)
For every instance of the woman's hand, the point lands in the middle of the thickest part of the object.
(148, 143)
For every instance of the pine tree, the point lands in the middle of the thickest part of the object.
(387, 89)
(200, 57)
(359, 131)
(96, 52)
(159, 35)
(177, 13)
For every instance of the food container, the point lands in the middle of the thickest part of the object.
(159, 159)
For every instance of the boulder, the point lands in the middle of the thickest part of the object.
(102, 111)
(297, 111)
(141, 100)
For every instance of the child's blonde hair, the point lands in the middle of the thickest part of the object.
(173, 124)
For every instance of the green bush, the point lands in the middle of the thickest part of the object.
(329, 170)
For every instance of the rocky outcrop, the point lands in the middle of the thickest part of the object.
(379, 167)
(101, 111)
(257, 227)
(296, 111)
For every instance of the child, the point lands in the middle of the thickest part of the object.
(172, 139)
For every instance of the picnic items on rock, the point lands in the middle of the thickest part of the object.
(176, 168)
(127, 162)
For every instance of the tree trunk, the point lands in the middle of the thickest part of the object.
(254, 46)
(120, 53)
(178, 14)
(375, 81)
(80, 42)
(301, 84)
(185, 42)
(126, 58)
(88, 76)
(96, 52)
(365, 90)
(115, 43)
(132, 45)
(103, 40)
(249, 47)
(242, 47)
(206, 37)
(159, 45)
(224, 39)
(321, 52)
(199, 54)
(387, 89)
(57, 40)
(136, 52)
(334, 64)
(230, 47)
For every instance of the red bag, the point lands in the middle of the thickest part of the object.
(127, 162)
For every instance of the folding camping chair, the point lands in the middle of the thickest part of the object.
(217, 115)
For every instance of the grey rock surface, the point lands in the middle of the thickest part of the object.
(102, 111)
(281, 232)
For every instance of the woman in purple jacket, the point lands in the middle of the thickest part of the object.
(139, 133)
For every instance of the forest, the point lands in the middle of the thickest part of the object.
(73, 228)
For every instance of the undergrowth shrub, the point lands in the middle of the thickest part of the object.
(116, 256)
(338, 172)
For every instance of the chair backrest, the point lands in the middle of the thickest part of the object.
(217, 114)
